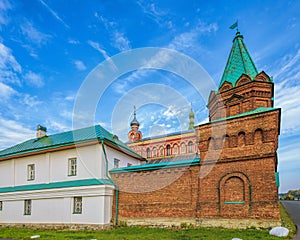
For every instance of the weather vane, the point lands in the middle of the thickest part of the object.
(235, 25)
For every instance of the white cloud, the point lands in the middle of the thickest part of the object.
(120, 41)
(189, 40)
(12, 132)
(79, 65)
(34, 79)
(33, 35)
(6, 91)
(118, 38)
(31, 101)
(154, 13)
(54, 14)
(96, 46)
(55, 126)
(73, 41)
(5, 5)
(171, 111)
(287, 88)
(9, 67)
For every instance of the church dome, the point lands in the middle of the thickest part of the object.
(134, 122)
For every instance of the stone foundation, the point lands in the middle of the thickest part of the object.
(221, 223)
(50, 226)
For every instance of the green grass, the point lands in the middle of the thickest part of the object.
(287, 222)
(138, 233)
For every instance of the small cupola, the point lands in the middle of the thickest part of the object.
(134, 122)
(41, 131)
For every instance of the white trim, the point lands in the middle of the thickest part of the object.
(95, 190)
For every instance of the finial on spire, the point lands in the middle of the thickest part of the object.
(235, 25)
(134, 111)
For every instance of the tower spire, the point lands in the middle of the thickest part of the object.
(239, 61)
(192, 119)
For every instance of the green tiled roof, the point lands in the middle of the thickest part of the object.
(156, 166)
(255, 111)
(65, 139)
(239, 62)
(66, 184)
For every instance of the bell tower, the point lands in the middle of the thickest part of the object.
(134, 134)
(238, 146)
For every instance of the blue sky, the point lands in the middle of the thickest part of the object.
(48, 48)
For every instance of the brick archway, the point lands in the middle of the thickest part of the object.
(234, 195)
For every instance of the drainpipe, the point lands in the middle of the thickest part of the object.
(116, 186)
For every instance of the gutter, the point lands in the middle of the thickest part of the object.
(114, 183)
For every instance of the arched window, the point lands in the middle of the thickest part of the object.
(226, 143)
(154, 152)
(161, 151)
(211, 143)
(190, 147)
(175, 149)
(182, 150)
(168, 150)
(241, 139)
(148, 152)
(258, 136)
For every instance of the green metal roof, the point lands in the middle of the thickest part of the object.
(156, 166)
(65, 139)
(239, 62)
(65, 184)
(255, 111)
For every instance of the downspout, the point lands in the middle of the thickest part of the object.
(116, 186)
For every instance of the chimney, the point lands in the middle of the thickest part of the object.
(41, 131)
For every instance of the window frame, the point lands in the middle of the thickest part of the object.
(77, 205)
(30, 172)
(116, 163)
(27, 207)
(72, 166)
(190, 147)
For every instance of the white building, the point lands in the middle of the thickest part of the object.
(62, 178)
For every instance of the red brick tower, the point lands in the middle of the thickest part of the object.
(238, 146)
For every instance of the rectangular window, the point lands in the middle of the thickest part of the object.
(77, 205)
(72, 167)
(1, 205)
(116, 163)
(27, 207)
(30, 172)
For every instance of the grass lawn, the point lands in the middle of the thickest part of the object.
(137, 233)
(140, 233)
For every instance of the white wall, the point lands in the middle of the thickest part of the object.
(56, 206)
(124, 158)
(53, 166)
